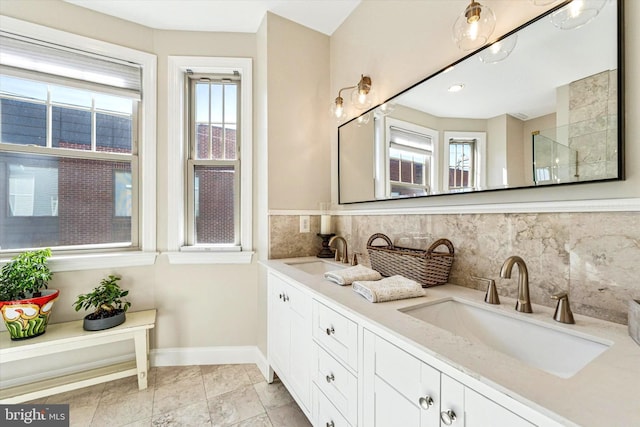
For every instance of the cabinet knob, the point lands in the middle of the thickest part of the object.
(331, 331)
(425, 402)
(286, 297)
(330, 424)
(448, 417)
(330, 378)
(280, 296)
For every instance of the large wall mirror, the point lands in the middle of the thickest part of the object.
(542, 106)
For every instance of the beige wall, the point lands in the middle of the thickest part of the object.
(298, 103)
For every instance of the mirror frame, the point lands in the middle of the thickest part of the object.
(620, 112)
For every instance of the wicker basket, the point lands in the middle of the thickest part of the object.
(429, 268)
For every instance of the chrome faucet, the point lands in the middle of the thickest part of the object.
(523, 304)
(345, 256)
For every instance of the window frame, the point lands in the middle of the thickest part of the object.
(178, 249)
(193, 162)
(480, 158)
(108, 256)
(431, 180)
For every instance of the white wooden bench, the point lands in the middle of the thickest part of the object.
(70, 336)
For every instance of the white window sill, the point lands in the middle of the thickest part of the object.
(100, 260)
(206, 257)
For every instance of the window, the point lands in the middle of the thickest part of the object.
(410, 158)
(213, 170)
(70, 147)
(462, 164)
(210, 172)
(465, 161)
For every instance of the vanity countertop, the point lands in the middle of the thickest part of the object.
(606, 392)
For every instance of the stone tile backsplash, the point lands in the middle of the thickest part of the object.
(595, 257)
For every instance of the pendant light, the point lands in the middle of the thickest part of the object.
(576, 14)
(498, 51)
(474, 26)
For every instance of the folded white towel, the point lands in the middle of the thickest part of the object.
(389, 289)
(346, 276)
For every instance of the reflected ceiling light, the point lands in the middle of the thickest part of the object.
(498, 51)
(543, 2)
(576, 14)
(456, 87)
(387, 108)
(363, 119)
(474, 26)
(360, 98)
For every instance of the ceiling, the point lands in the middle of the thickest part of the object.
(242, 16)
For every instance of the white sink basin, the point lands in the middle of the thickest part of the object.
(558, 351)
(315, 267)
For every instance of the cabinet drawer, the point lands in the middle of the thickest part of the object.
(338, 384)
(410, 376)
(328, 415)
(336, 333)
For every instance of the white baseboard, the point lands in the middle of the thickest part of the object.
(159, 357)
(210, 356)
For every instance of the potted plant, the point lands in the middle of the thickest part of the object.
(110, 307)
(25, 301)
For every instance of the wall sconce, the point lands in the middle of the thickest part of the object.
(576, 14)
(360, 98)
(498, 51)
(474, 26)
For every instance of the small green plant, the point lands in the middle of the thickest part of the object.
(107, 298)
(25, 275)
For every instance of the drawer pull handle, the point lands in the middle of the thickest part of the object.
(331, 424)
(425, 402)
(448, 417)
(330, 378)
(331, 331)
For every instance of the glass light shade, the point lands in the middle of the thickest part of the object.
(474, 26)
(498, 50)
(337, 109)
(362, 99)
(543, 2)
(363, 119)
(576, 14)
(387, 108)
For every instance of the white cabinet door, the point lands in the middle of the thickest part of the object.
(300, 356)
(482, 412)
(289, 340)
(392, 409)
(279, 327)
(400, 390)
(452, 404)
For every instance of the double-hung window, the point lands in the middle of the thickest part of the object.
(69, 158)
(410, 162)
(210, 158)
(213, 167)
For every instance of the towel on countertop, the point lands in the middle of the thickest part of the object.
(389, 289)
(346, 276)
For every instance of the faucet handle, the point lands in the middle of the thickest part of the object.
(563, 312)
(491, 297)
(354, 260)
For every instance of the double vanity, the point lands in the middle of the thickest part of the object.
(447, 358)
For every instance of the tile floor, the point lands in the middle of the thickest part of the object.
(198, 396)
